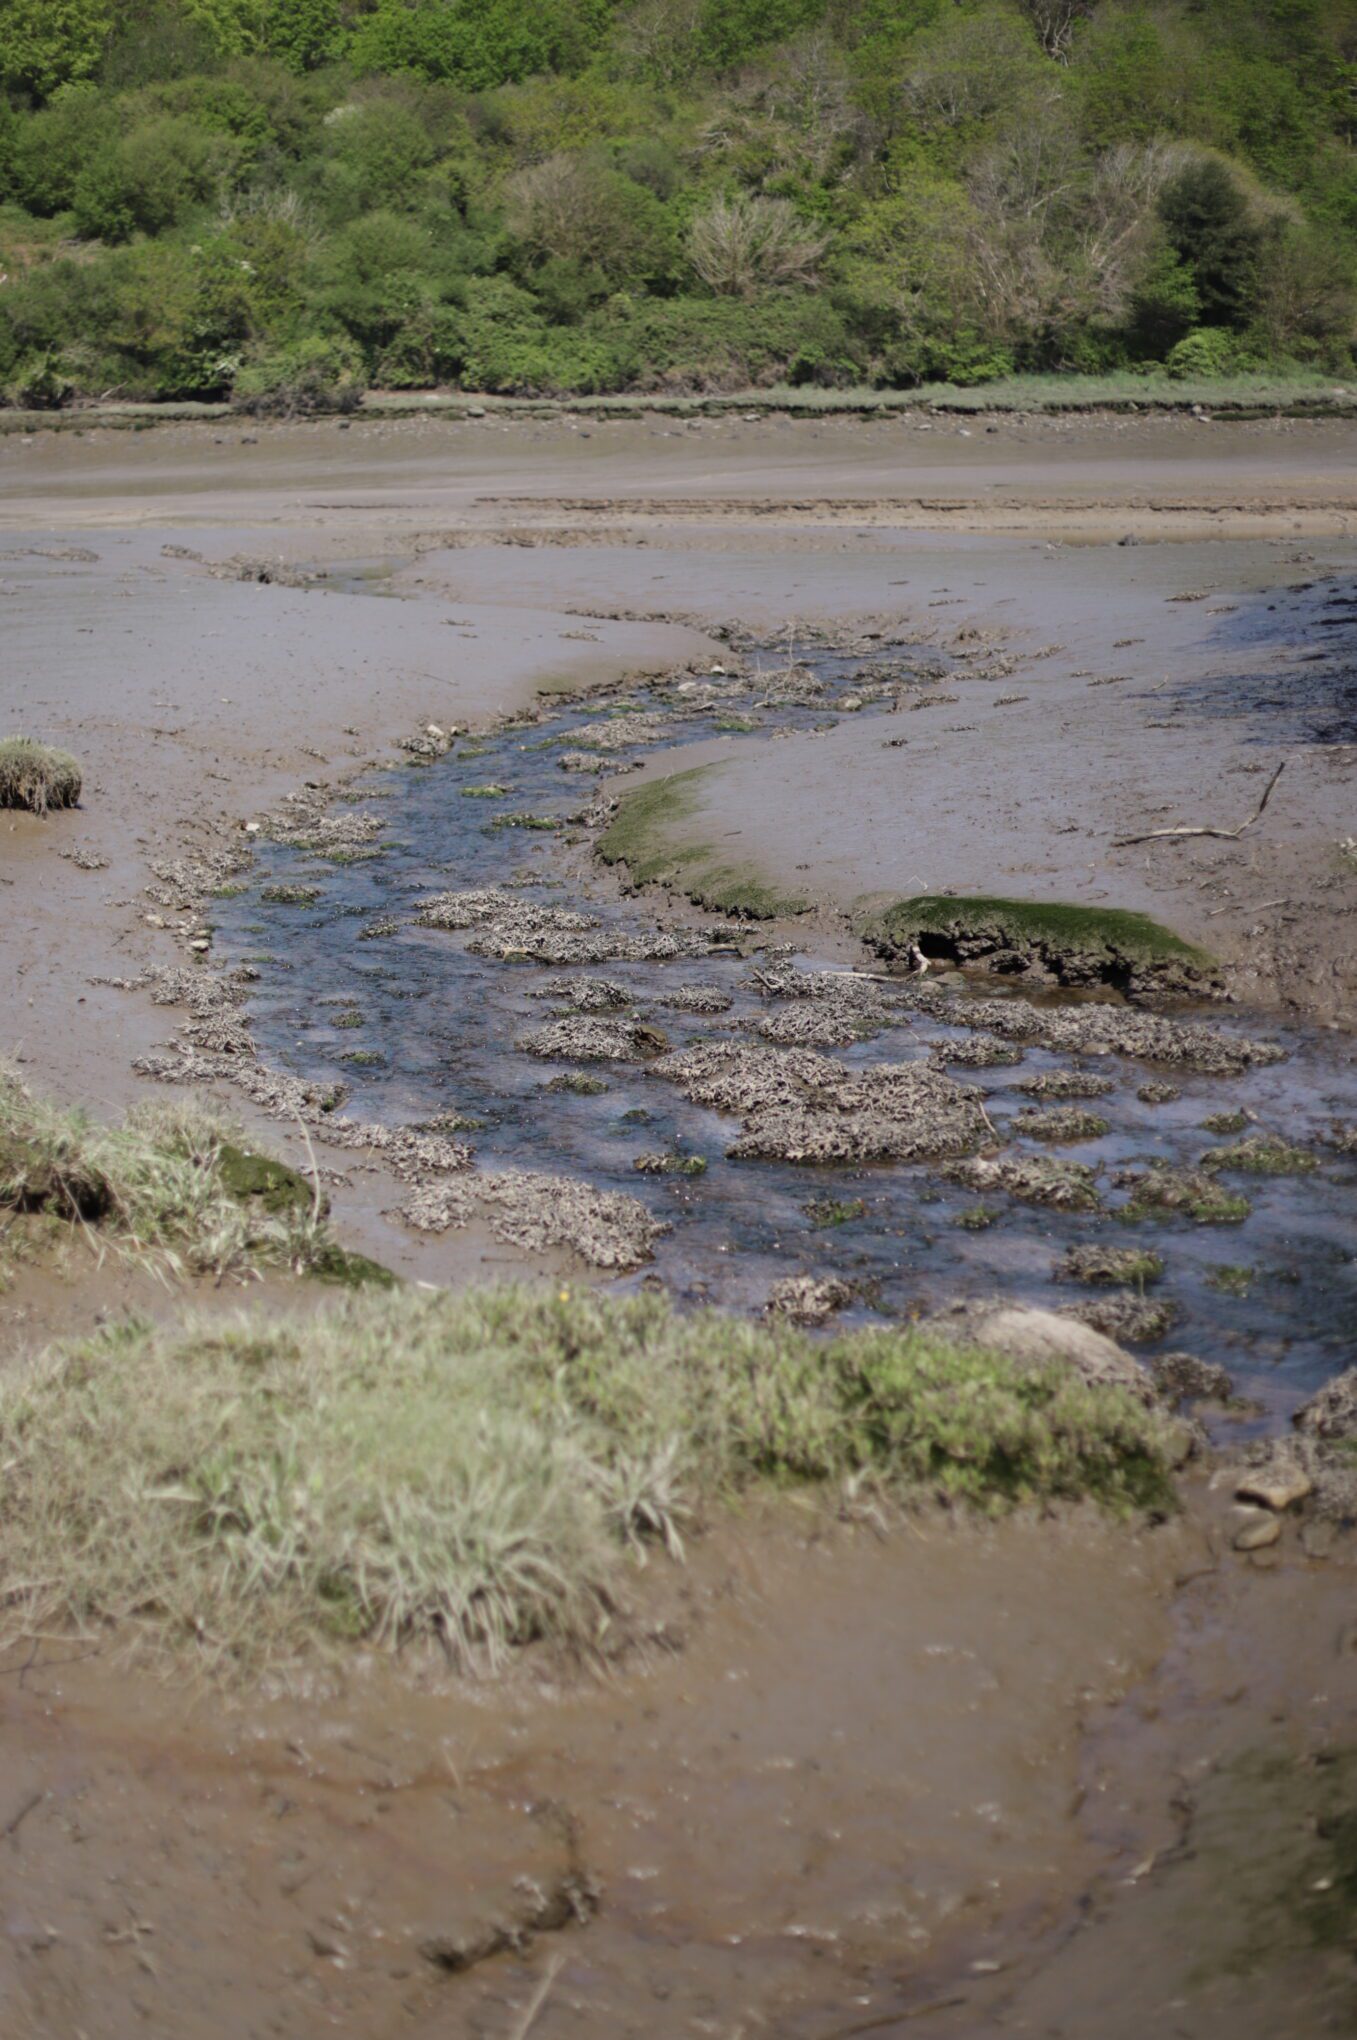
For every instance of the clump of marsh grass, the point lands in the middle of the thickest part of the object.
(36, 777)
(172, 1181)
(476, 1468)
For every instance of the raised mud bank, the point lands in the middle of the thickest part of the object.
(1045, 944)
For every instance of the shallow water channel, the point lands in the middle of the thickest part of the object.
(416, 1025)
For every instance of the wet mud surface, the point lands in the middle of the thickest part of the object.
(774, 1114)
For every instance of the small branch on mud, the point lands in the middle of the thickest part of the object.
(539, 1997)
(16, 1820)
(1243, 906)
(1226, 835)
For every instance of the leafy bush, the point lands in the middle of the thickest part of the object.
(1209, 351)
(556, 195)
(478, 44)
(45, 44)
(312, 376)
(149, 179)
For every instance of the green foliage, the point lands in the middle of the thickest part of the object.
(148, 179)
(1209, 351)
(478, 44)
(1210, 229)
(48, 43)
(595, 195)
(312, 376)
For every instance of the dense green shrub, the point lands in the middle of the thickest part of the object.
(1210, 350)
(149, 178)
(314, 375)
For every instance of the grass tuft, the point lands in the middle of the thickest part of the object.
(173, 1181)
(35, 777)
(474, 1468)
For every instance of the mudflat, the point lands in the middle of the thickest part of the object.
(883, 1775)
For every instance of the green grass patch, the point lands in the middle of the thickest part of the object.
(35, 777)
(1076, 943)
(475, 1468)
(639, 837)
(487, 792)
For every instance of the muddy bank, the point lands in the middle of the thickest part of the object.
(766, 1839)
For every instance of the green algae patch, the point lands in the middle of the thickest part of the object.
(267, 1184)
(1070, 944)
(639, 836)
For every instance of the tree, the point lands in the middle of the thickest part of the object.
(741, 245)
(1211, 230)
(1055, 22)
(304, 33)
(48, 43)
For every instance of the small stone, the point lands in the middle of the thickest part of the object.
(1318, 1538)
(1257, 1533)
(1276, 1487)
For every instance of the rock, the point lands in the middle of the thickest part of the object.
(1318, 1538)
(1333, 1412)
(1036, 1338)
(1035, 1179)
(1276, 1487)
(1100, 1264)
(1127, 1316)
(1256, 1534)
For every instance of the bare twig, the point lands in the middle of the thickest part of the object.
(16, 1820)
(1227, 835)
(315, 1171)
(539, 1997)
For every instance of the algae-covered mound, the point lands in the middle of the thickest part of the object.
(475, 1469)
(639, 837)
(798, 1106)
(36, 777)
(1045, 942)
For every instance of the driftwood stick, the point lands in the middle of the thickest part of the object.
(539, 1997)
(1227, 835)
